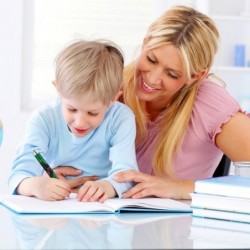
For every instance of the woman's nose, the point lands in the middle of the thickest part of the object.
(154, 77)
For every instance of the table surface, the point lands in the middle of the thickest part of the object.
(124, 231)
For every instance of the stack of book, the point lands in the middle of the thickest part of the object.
(225, 198)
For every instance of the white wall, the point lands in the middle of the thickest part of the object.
(13, 118)
(11, 15)
(10, 81)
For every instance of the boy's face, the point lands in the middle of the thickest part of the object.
(83, 115)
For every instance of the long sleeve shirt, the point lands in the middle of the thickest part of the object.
(103, 152)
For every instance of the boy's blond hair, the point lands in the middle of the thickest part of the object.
(89, 68)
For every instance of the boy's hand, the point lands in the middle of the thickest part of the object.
(95, 191)
(44, 188)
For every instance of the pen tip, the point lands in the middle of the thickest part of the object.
(34, 152)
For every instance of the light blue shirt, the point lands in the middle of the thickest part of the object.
(103, 152)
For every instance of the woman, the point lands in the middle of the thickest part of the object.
(185, 119)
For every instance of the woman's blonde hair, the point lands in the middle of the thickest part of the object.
(196, 36)
(92, 68)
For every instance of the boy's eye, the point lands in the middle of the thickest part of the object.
(72, 110)
(93, 114)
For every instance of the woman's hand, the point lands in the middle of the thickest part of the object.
(148, 185)
(63, 171)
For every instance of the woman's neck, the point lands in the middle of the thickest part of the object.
(155, 110)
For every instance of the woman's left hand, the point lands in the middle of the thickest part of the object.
(64, 171)
(148, 185)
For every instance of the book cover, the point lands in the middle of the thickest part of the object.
(23, 204)
(232, 185)
(218, 202)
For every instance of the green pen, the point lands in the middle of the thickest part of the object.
(44, 164)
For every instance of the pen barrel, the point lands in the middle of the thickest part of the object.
(45, 166)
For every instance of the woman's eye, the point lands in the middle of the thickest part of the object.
(172, 76)
(151, 60)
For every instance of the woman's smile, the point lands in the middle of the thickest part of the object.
(147, 88)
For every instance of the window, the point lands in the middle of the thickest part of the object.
(50, 24)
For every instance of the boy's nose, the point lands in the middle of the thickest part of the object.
(81, 121)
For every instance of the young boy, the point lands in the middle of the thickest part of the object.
(85, 128)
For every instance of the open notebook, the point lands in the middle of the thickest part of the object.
(23, 205)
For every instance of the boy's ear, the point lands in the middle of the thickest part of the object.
(54, 82)
(116, 97)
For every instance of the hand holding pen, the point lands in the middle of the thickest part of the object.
(46, 188)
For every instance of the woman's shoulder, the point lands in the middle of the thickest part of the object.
(213, 106)
(212, 94)
(211, 85)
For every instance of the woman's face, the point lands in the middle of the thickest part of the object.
(160, 73)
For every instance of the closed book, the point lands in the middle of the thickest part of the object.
(231, 185)
(218, 202)
(222, 215)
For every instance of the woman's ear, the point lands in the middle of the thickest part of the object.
(198, 76)
(201, 74)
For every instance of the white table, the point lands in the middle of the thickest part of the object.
(108, 231)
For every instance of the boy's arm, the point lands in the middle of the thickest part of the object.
(122, 151)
